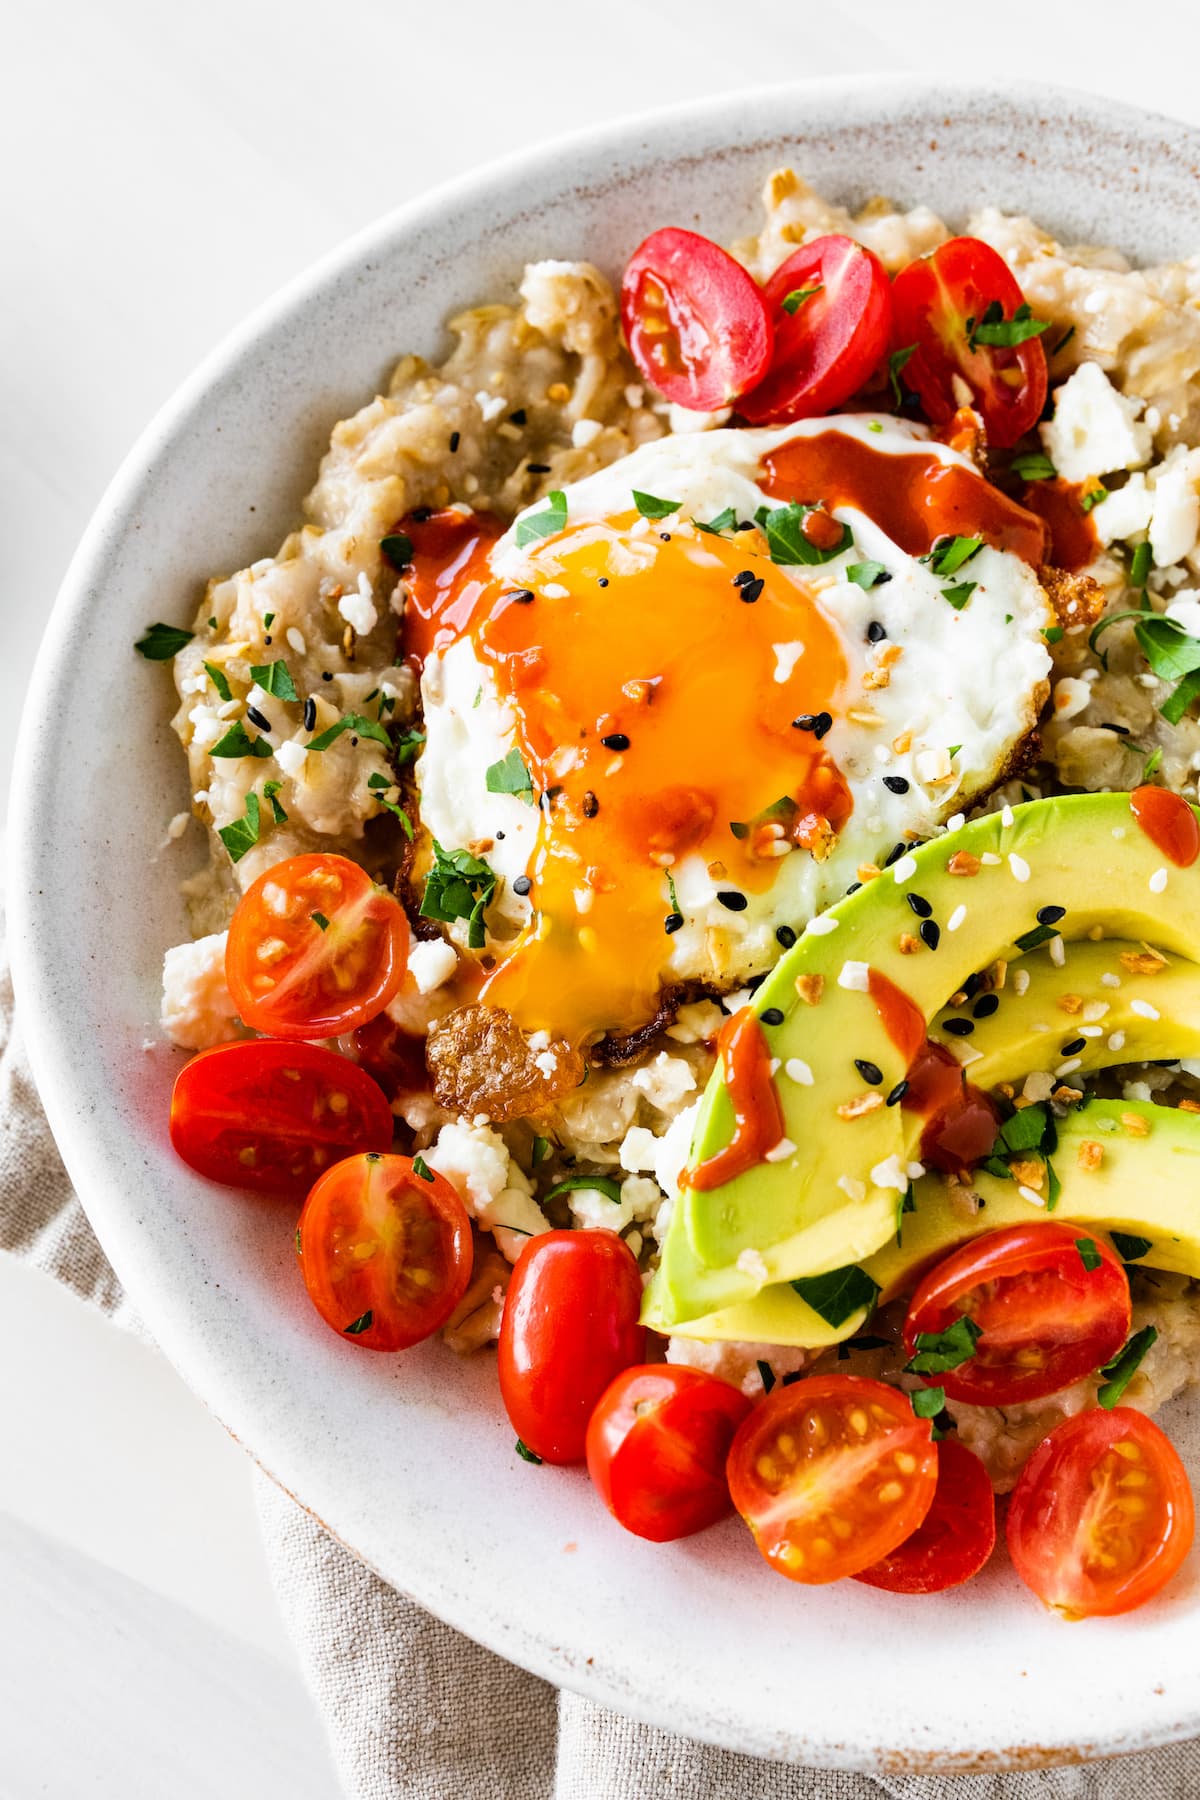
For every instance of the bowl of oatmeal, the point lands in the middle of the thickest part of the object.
(515, 401)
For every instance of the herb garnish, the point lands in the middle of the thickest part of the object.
(1140, 565)
(270, 789)
(951, 554)
(217, 677)
(867, 574)
(543, 524)
(1035, 466)
(162, 642)
(275, 678)
(603, 1184)
(459, 886)
(376, 781)
(421, 1168)
(510, 776)
(1171, 653)
(238, 742)
(1093, 497)
(1124, 1367)
(838, 1293)
(795, 300)
(1129, 1247)
(958, 596)
(928, 1402)
(541, 1147)
(357, 725)
(1033, 939)
(320, 921)
(783, 527)
(1063, 341)
(242, 835)
(1089, 1256)
(1051, 634)
(360, 1325)
(651, 507)
(1153, 763)
(724, 521)
(896, 362)
(994, 330)
(530, 1456)
(766, 1375)
(937, 1352)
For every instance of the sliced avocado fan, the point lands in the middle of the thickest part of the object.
(937, 916)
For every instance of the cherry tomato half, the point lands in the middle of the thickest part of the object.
(570, 1326)
(274, 1116)
(832, 1473)
(1102, 1515)
(831, 307)
(694, 320)
(940, 301)
(1046, 1318)
(956, 1536)
(656, 1449)
(385, 1250)
(315, 948)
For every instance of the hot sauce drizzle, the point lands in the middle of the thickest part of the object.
(757, 1115)
(900, 1016)
(1073, 540)
(1169, 822)
(961, 1122)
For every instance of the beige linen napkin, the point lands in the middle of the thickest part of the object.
(415, 1711)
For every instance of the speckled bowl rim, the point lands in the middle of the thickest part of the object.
(41, 895)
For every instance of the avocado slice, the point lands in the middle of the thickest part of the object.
(1027, 1031)
(832, 1200)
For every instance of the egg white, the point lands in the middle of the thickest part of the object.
(974, 678)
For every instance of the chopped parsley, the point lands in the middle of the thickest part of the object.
(795, 300)
(897, 361)
(275, 678)
(1171, 653)
(406, 746)
(651, 507)
(783, 527)
(867, 574)
(1053, 1185)
(1089, 1256)
(1029, 1129)
(377, 783)
(951, 554)
(839, 1293)
(361, 1324)
(270, 789)
(1124, 1367)
(1128, 1247)
(958, 596)
(511, 776)
(937, 1352)
(1051, 634)
(997, 332)
(162, 642)
(766, 1375)
(242, 835)
(1039, 935)
(268, 621)
(421, 1168)
(530, 1456)
(928, 1402)
(357, 725)
(1035, 466)
(397, 547)
(603, 1184)
(543, 524)
(217, 677)
(1153, 764)
(320, 921)
(459, 886)
(541, 1149)
(238, 742)
(1140, 565)
(1063, 341)
(724, 521)
(1093, 497)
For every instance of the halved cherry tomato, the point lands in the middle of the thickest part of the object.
(940, 300)
(956, 1536)
(1102, 1515)
(656, 1449)
(570, 1325)
(385, 1250)
(830, 337)
(831, 1473)
(315, 948)
(391, 1056)
(694, 320)
(274, 1116)
(1046, 1318)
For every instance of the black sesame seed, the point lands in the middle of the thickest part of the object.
(266, 640)
(730, 897)
(353, 742)
(742, 577)
(1121, 730)
(672, 922)
(744, 525)
(876, 632)
(665, 536)
(930, 933)
(871, 1073)
(538, 468)
(750, 591)
(895, 784)
(326, 675)
(257, 718)
(897, 1094)
(772, 1016)
(310, 713)
(500, 834)
(1074, 1047)
(785, 935)
(972, 985)
(959, 1027)
(985, 1006)
(755, 982)
(591, 806)
(854, 887)
(616, 740)
(422, 514)
(603, 581)
(518, 417)
(894, 855)
(919, 905)
(1050, 915)
(817, 723)
(522, 885)
(455, 441)
(519, 596)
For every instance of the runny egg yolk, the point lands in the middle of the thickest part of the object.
(655, 676)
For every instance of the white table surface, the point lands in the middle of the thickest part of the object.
(165, 169)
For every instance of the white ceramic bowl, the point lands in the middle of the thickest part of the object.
(410, 1459)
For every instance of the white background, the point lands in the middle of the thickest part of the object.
(165, 168)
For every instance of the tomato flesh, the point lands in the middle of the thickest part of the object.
(385, 1250)
(274, 1116)
(832, 1473)
(656, 1449)
(1046, 1319)
(956, 1536)
(1102, 1516)
(315, 948)
(570, 1325)
(833, 339)
(935, 298)
(695, 321)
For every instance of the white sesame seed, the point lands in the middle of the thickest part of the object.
(904, 869)
(1020, 981)
(915, 1170)
(890, 1173)
(296, 641)
(1058, 952)
(1117, 1041)
(1091, 1031)
(989, 857)
(773, 1066)
(855, 976)
(821, 926)
(1006, 817)
(857, 1190)
(1118, 831)
(1158, 881)
(1030, 1194)
(554, 590)
(1110, 980)
(781, 1151)
(956, 918)
(1018, 865)
(1069, 1067)
(796, 1069)
(1096, 1009)
(956, 821)
(1144, 1010)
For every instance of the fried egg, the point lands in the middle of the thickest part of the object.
(676, 734)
